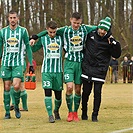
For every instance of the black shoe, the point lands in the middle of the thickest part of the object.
(94, 118)
(57, 115)
(84, 117)
(7, 116)
(11, 107)
(84, 114)
(17, 113)
(51, 119)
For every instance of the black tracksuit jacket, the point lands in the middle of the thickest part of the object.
(97, 54)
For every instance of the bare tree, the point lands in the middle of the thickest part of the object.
(68, 10)
(92, 11)
(21, 16)
(41, 14)
(59, 12)
(83, 10)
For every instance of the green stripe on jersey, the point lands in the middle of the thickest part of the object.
(13, 45)
(74, 41)
(52, 48)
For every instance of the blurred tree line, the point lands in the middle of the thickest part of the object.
(35, 13)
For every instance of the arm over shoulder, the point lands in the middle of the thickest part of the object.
(36, 46)
(90, 28)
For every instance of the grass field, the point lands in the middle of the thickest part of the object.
(116, 113)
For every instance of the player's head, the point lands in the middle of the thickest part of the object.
(51, 28)
(125, 58)
(76, 20)
(104, 26)
(131, 58)
(13, 18)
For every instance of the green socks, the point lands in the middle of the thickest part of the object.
(11, 95)
(77, 99)
(48, 105)
(69, 101)
(7, 101)
(17, 98)
(23, 96)
(57, 104)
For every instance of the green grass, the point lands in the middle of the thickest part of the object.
(115, 113)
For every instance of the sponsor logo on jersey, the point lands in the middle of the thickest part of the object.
(76, 40)
(53, 55)
(12, 50)
(12, 41)
(53, 46)
(76, 48)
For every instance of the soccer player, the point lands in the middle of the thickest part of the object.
(52, 75)
(13, 39)
(74, 37)
(99, 47)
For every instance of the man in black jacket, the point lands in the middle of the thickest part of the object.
(99, 47)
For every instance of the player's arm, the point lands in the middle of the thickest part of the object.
(36, 36)
(36, 46)
(60, 31)
(90, 28)
(43, 33)
(28, 48)
(39, 35)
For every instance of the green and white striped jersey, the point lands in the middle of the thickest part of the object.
(74, 41)
(52, 48)
(14, 43)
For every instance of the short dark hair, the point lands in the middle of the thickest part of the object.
(12, 12)
(76, 15)
(51, 24)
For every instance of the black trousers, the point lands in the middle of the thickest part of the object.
(87, 88)
(125, 74)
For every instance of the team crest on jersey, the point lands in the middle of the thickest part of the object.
(76, 40)
(12, 41)
(53, 46)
